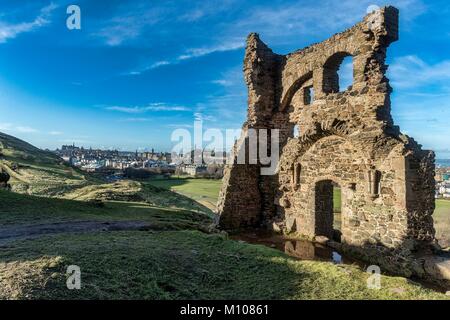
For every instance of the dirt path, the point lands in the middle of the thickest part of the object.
(19, 232)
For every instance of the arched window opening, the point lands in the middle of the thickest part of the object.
(345, 73)
(308, 95)
(338, 73)
(296, 131)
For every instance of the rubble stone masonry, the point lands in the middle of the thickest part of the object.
(347, 138)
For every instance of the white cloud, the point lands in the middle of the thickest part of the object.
(136, 119)
(205, 9)
(151, 107)
(11, 31)
(115, 35)
(203, 117)
(5, 126)
(159, 64)
(196, 53)
(284, 23)
(152, 66)
(232, 78)
(183, 125)
(55, 133)
(412, 72)
(17, 128)
(230, 45)
(131, 24)
(230, 99)
(25, 129)
(222, 82)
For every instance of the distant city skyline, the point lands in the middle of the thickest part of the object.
(137, 70)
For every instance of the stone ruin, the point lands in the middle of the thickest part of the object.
(347, 138)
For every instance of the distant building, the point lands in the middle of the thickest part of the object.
(192, 169)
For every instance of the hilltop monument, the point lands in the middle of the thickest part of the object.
(347, 138)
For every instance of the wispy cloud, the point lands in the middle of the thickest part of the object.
(12, 30)
(206, 9)
(152, 66)
(229, 100)
(198, 116)
(6, 126)
(285, 22)
(55, 133)
(17, 128)
(412, 72)
(136, 120)
(131, 24)
(25, 129)
(232, 44)
(182, 125)
(192, 53)
(116, 34)
(148, 108)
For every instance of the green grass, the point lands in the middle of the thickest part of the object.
(441, 218)
(38, 172)
(337, 203)
(180, 265)
(173, 261)
(204, 191)
(24, 209)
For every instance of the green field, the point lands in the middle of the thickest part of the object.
(204, 191)
(441, 218)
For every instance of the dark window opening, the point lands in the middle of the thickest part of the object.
(374, 183)
(297, 170)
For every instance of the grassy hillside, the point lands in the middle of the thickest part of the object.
(35, 171)
(171, 260)
(176, 256)
(18, 209)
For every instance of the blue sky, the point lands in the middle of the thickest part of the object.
(139, 69)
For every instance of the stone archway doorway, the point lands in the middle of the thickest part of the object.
(327, 210)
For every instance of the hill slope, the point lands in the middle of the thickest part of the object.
(35, 171)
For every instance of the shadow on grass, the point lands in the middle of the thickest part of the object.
(164, 265)
(177, 265)
(25, 209)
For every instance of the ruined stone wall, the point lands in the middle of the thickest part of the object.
(347, 137)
